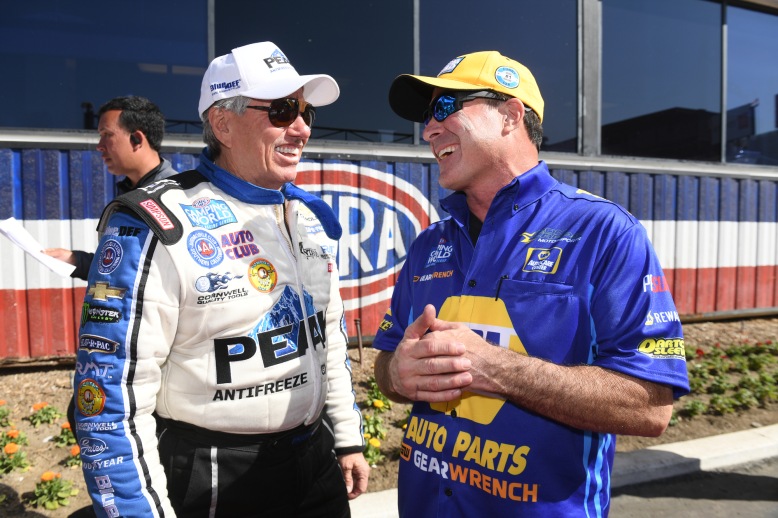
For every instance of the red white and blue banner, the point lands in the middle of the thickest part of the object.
(716, 236)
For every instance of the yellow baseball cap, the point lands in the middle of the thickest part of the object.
(410, 95)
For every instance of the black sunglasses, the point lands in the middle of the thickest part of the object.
(445, 104)
(283, 112)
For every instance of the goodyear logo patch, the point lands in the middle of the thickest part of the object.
(209, 214)
(204, 249)
(542, 260)
(671, 348)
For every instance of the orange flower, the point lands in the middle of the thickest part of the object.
(11, 448)
(66, 426)
(2, 402)
(38, 406)
(12, 434)
(75, 450)
(47, 476)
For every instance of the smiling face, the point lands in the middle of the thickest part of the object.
(255, 150)
(467, 145)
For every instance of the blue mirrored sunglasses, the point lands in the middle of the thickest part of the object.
(445, 104)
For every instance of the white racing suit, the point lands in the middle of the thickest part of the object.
(213, 303)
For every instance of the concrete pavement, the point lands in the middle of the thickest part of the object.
(636, 467)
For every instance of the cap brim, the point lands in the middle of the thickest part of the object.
(318, 89)
(410, 95)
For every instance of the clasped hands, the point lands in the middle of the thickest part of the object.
(437, 360)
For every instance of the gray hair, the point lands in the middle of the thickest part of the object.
(234, 104)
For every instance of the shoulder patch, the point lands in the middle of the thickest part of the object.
(146, 203)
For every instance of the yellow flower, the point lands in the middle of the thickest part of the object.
(378, 403)
(375, 443)
(75, 450)
(47, 476)
(367, 435)
(11, 448)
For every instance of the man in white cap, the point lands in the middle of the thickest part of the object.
(213, 307)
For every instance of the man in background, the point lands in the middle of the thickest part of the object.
(131, 131)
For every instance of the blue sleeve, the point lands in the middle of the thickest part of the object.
(114, 421)
(635, 324)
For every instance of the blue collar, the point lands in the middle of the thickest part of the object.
(521, 191)
(255, 195)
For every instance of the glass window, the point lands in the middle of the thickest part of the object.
(540, 34)
(62, 60)
(363, 44)
(752, 87)
(661, 84)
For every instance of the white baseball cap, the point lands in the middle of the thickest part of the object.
(262, 71)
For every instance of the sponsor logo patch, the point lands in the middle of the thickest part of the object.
(655, 283)
(542, 260)
(208, 213)
(99, 314)
(239, 244)
(441, 254)
(97, 344)
(91, 398)
(110, 257)
(204, 249)
(103, 291)
(507, 76)
(213, 281)
(663, 348)
(263, 275)
(434, 275)
(156, 212)
(91, 446)
(550, 236)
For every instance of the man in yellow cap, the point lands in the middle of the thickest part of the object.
(529, 327)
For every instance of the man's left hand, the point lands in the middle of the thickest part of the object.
(356, 471)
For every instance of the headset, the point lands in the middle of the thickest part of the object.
(135, 139)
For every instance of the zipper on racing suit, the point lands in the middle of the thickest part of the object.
(286, 215)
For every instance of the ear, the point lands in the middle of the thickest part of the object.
(513, 111)
(220, 121)
(136, 138)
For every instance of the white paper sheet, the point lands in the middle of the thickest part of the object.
(13, 230)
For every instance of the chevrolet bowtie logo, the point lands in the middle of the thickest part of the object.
(102, 291)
